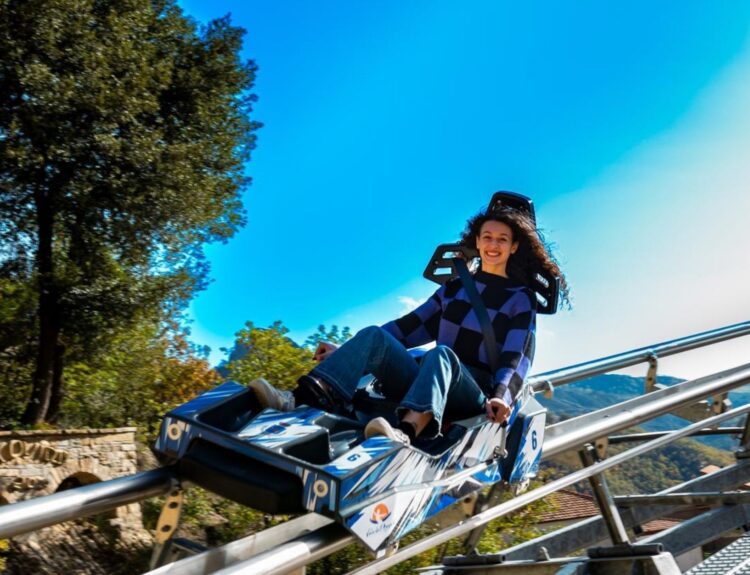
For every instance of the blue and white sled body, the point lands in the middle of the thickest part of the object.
(310, 460)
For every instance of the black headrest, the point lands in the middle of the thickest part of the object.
(442, 265)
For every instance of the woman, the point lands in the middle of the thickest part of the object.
(454, 378)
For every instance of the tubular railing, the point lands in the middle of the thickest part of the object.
(34, 514)
(40, 512)
(561, 437)
(586, 428)
(520, 501)
(545, 381)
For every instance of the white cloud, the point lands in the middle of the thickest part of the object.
(656, 248)
(408, 304)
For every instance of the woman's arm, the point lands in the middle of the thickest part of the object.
(517, 349)
(419, 326)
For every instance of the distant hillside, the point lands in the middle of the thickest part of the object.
(605, 390)
(651, 472)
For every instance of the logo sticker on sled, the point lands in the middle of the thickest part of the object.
(376, 522)
(380, 513)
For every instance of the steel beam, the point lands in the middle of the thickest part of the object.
(743, 451)
(702, 529)
(34, 514)
(590, 531)
(427, 543)
(648, 435)
(579, 371)
(702, 498)
(607, 507)
(574, 432)
(659, 564)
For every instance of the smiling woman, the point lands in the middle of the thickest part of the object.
(510, 245)
(495, 244)
(466, 373)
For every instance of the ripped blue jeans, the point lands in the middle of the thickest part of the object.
(439, 384)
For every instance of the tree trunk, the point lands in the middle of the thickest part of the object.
(58, 385)
(49, 318)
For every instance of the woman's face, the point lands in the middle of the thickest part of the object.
(495, 244)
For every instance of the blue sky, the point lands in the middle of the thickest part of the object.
(387, 124)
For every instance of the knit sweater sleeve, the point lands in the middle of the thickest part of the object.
(421, 325)
(517, 350)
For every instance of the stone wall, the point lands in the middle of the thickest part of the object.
(35, 463)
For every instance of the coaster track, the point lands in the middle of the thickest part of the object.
(299, 542)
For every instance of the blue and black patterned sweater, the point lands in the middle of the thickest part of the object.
(447, 318)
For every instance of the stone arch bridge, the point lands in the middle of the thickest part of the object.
(41, 462)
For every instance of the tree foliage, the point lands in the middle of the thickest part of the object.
(269, 354)
(332, 335)
(149, 371)
(123, 133)
(3, 549)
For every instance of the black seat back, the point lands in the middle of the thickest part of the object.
(442, 265)
(442, 268)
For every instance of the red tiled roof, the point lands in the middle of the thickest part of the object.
(658, 525)
(568, 505)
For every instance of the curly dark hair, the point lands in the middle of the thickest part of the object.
(533, 254)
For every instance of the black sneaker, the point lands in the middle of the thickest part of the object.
(313, 392)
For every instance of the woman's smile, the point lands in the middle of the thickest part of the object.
(495, 244)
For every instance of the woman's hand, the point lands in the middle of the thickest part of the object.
(497, 410)
(323, 350)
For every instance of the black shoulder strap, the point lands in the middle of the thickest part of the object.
(480, 310)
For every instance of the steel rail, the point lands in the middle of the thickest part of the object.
(681, 499)
(520, 501)
(606, 421)
(40, 512)
(226, 555)
(548, 379)
(589, 427)
(646, 435)
(293, 554)
(558, 438)
(91, 499)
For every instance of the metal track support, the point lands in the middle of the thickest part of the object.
(743, 451)
(169, 519)
(492, 497)
(617, 532)
(590, 531)
(232, 553)
(702, 529)
(683, 499)
(653, 365)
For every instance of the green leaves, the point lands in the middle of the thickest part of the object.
(128, 127)
(332, 335)
(270, 354)
(146, 372)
